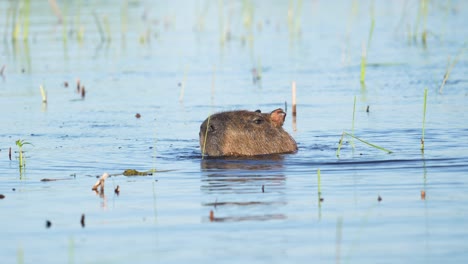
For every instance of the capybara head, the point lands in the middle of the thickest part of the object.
(245, 133)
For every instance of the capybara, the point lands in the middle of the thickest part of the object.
(245, 133)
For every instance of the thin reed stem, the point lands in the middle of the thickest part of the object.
(424, 119)
(206, 135)
(363, 141)
(450, 66)
(363, 63)
(319, 184)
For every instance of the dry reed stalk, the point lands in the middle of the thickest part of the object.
(100, 182)
(294, 112)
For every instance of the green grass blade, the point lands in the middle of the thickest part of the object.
(367, 143)
(340, 144)
(424, 119)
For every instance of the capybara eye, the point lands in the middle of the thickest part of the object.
(258, 121)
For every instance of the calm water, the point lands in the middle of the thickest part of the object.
(177, 63)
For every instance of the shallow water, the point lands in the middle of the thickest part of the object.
(264, 210)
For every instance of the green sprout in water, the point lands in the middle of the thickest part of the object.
(363, 141)
(20, 143)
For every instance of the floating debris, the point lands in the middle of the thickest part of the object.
(2, 196)
(423, 195)
(117, 190)
(212, 216)
(255, 76)
(367, 109)
(100, 182)
(48, 224)
(131, 172)
(9, 153)
(65, 84)
(56, 179)
(263, 188)
(82, 221)
(137, 115)
(83, 92)
(379, 198)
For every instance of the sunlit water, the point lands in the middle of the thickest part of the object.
(264, 210)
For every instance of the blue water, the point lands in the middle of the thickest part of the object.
(174, 67)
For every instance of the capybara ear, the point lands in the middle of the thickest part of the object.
(258, 111)
(277, 117)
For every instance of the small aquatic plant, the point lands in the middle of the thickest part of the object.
(363, 141)
(43, 94)
(99, 27)
(365, 48)
(20, 143)
(363, 63)
(424, 119)
(294, 112)
(450, 66)
(319, 191)
(182, 85)
(422, 13)
(294, 98)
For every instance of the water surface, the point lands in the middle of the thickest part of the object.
(264, 210)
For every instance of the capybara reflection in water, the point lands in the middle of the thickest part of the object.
(245, 133)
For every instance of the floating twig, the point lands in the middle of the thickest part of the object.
(53, 179)
(100, 182)
(212, 216)
(56, 10)
(83, 92)
(82, 221)
(78, 85)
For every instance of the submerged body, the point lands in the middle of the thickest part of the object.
(245, 133)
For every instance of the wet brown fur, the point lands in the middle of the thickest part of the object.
(245, 133)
